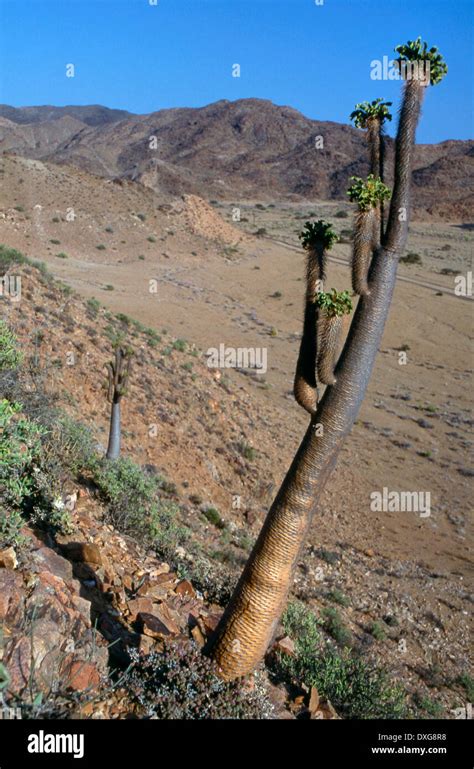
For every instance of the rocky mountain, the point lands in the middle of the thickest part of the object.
(91, 114)
(249, 148)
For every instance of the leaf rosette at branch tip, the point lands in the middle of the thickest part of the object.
(334, 303)
(369, 192)
(366, 111)
(318, 233)
(417, 51)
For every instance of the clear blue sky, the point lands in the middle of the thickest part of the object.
(316, 58)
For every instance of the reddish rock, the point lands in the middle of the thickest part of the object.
(170, 618)
(198, 636)
(160, 571)
(139, 605)
(11, 596)
(83, 552)
(250, 517)
(313, 704)
(151, 625)
(208, 623)
(83, 607)
(165, 578)
(185, 588)
(326, 711)
(17, 660)
(164, 619)
(46, 559)
(80, 675)
(147, 645)
(127, 582)
(285, 646)
(8, 559)
(144, 586)
(158, 593)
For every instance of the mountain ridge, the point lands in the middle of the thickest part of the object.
(243, 149)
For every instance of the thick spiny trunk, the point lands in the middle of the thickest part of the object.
(366, 239)
(304, 388)
(382, 177)
(113, 449)
(375, 138)
(329, 346)
(249, 622)
(397, 227)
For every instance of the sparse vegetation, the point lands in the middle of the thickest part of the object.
(10, 356)
(247, 451)
(213, 516)
(378, 631)
(182, 684)
(354, 685)
(411, 258)
(93, 307)
(135, 504)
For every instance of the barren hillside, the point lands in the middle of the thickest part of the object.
(250, 148)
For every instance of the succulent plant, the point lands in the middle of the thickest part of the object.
(366, 111)
(318, 233)
(368, 193)
(417, 51)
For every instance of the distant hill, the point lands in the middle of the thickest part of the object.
(250, 148)
(91, 114)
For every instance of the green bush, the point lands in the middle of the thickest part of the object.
(69, 446)
(213, 516)
(355, 686)
(10, 256)
(20, 450)
(334, 625)
(93, 307)
(135, 505)
(378, 631)
(411, 258)
(36, 460)
(10, 357)
(334, 302)
(246, 450)
(467, 682)
(337, 596)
